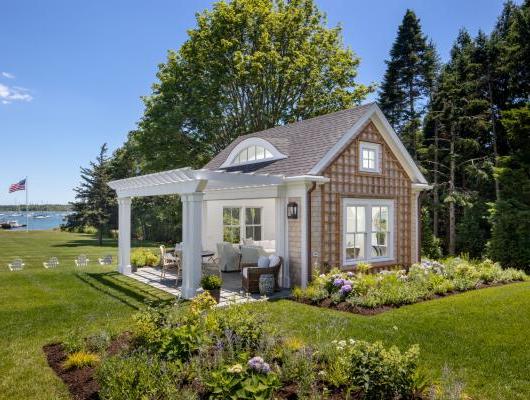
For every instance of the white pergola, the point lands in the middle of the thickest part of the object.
(190, 185)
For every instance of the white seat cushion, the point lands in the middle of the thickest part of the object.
(263, 261)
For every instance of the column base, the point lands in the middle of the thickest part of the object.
(125, 270)
(188, 293)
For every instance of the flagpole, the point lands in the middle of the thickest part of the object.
(27, 216)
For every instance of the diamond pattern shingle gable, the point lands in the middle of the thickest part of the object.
(304, 143)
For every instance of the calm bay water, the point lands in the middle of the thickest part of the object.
(52, 220)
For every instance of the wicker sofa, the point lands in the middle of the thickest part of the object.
(251, 274)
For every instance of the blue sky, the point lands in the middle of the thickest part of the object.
(72, 72)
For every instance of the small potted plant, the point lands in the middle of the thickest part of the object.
(212, 284)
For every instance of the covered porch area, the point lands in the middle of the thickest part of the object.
(207, 198)
(231, 291)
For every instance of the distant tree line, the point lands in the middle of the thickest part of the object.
(253, 64)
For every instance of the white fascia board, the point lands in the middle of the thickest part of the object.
(397, 146)
(319, 180)
(163, 189)
(418, 187)
(254, 192)
(343, 141)
(375, 114)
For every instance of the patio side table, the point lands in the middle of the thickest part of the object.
(266, 284)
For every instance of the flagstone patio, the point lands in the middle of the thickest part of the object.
(231, 291)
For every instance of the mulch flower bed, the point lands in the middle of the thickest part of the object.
(347, 307)
(80, 381)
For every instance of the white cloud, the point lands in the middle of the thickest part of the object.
(15, 93)
(8, 75)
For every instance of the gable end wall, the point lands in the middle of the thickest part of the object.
(346, 181)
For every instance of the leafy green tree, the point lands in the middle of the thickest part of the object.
(408, 81)
(510, 241)
(95, 199)
(247, 66)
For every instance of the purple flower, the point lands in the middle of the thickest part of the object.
(345, 289)
(338, 282)
(259, 365)
(347, 282)
(350, 274)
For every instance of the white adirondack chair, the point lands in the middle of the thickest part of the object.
(16, 265)
(107, 260)
(81, 261)
(53, 262)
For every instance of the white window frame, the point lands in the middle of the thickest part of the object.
(242, 221)
(368, 204)
(231, 226)
(376, 148)
(231, 160)
(253, 225)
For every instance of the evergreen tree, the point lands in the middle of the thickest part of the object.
(510, 242)
(95, 199)
(408, 81)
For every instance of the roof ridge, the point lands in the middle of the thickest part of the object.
(334, 113)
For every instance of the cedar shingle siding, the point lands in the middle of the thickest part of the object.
(347, 181)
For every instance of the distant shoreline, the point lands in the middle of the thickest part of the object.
(36, 207)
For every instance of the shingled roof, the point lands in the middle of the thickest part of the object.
(304, 143)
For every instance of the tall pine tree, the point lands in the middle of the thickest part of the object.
(95, 199)
(408, 81)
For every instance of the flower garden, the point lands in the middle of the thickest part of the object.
(367, 293)
(195, 351)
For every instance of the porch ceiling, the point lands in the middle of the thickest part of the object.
(187, 180)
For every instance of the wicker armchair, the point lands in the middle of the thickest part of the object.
(250, 276)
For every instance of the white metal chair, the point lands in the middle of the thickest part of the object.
(168, 260)
(107, 260)
(81, 261)
(53, 262)
(16, 265)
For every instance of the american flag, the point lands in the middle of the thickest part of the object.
(18, 186)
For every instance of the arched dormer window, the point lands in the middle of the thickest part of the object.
(252, 150)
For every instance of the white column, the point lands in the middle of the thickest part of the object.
(124, 238)
(281, 238)
(192, 243)
(415, 226)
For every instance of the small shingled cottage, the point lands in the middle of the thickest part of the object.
(334, 190)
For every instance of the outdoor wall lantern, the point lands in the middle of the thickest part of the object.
(292, 210)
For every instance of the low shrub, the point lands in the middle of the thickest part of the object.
(144, 258)
(233, 353)
(254, 380)
(138, 376)
(394, 288)
(81, 359)
(211, 282)
(97, 342)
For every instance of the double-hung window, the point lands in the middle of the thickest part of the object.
(253, 223)
(234, 224)
(367, 230)
(231, 224)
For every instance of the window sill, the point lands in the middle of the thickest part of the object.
(368, 261)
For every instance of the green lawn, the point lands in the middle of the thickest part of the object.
(481, 335)
(38, 306)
